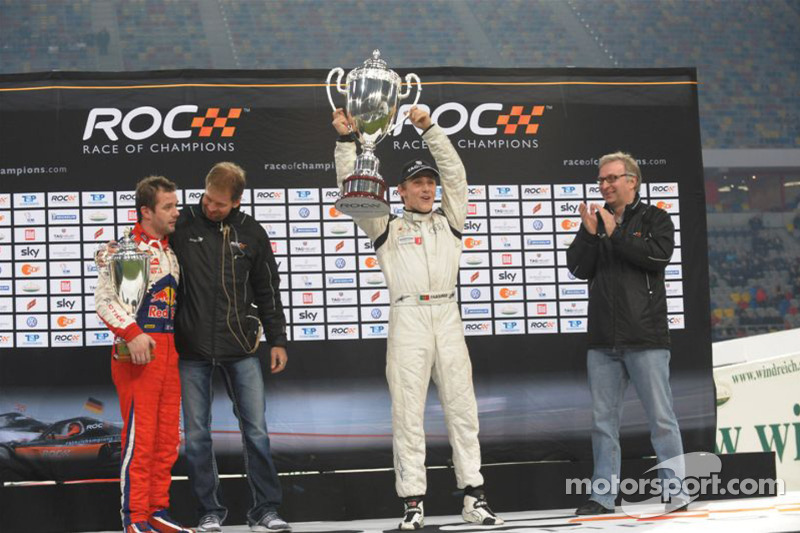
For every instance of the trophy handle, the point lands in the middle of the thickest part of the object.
(409, 78)
(339, 88)
(403, 95)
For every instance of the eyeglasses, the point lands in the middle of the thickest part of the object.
(611, 178)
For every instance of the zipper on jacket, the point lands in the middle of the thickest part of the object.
(216, 294)
(649, 290)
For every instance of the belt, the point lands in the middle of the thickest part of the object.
(425, 298)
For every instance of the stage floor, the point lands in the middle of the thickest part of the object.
(752, 515)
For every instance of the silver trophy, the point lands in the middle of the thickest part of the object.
(129, 270)
(372, 92)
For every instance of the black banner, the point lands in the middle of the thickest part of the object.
(72, 147)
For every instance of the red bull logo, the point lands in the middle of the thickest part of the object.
(165, 295)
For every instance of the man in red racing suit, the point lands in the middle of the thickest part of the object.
(148, 384)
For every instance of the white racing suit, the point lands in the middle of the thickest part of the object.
(419, 256)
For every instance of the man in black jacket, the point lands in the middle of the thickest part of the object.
(623, 248)
(228, 297)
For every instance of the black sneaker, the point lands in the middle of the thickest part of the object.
(592, 507)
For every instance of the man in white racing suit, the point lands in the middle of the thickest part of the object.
(419, 255)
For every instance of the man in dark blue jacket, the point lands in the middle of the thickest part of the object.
(623, 248)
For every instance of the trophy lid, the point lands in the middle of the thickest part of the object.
(375, 61)
(127, 249)
(374, 68)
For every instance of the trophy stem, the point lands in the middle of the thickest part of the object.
(367, 164)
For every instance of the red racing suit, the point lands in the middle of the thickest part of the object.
(149, 395)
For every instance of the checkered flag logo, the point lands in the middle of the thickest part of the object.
(212, 120)
(518, 117)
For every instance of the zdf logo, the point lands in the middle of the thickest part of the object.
(149, 120)
(482, 120)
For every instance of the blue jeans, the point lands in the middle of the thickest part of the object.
(609, 374)
(245, 386)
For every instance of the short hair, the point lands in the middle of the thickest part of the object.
(226, 176)
(631, 166)
(146, 191)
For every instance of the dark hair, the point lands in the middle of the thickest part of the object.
(226, 176)
(146, 191)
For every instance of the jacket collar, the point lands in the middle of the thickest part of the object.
(629, 209)
(415, 216)
(140, 235)
(227, 220)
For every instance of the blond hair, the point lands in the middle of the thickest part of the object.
(228, 177)
(631, 166)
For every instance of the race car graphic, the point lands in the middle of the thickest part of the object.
(18, 427)
(74, 438)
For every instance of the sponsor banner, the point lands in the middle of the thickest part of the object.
(375, 313)
(538, 326)
(506, 259)
(473, 311)
(371, 279)
(573, 325)
(338, 229)
(506, 242)
(342, 314)
(99, 338)
(29, 200)
(269, 196)
(71, 338)
(343, 331)
(537, 208)
(476, 209)
(477, 327)
(29, 217)
(509, 310)
(476, 226)
(347, 297)
(509, 327)
(757, 409)
(503, 192)
(475, 294)
(374, 296)
(340, 246)
(572, 308)
(32, 339)
(541, 292)
(542, 309)
(306, 281)
(513, 275)
(308, 333)
(527, 180)
(374, 331)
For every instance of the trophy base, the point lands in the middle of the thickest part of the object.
(363, 196)
(362, 205)
(123, 354)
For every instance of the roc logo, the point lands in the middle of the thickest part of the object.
(211, 121)
(519, 117)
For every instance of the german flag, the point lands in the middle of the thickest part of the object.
(93, 405)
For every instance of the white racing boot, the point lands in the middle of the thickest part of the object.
(414, 517)
(477, 511)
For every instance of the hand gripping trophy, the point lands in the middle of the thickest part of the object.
(372, 91)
